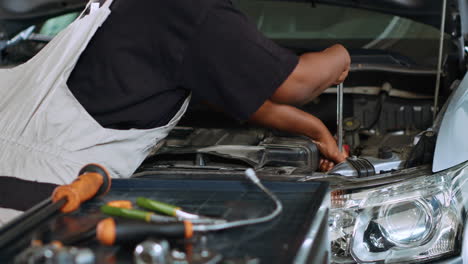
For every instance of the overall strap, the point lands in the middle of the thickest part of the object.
(107, 3)
(89, 6)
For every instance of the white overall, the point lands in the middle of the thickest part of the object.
(45, 134)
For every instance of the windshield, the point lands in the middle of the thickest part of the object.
(308, 27)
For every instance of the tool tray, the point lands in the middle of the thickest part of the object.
(278, 241)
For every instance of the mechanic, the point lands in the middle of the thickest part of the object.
(130, 86)
(150, 55)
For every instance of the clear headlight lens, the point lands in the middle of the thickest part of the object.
(414, 220)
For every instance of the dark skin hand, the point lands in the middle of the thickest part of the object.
(315, 72)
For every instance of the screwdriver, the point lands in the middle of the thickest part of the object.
(137, 214)
(111, 231)
(93, 180)
(121, 204)
(175, 211)
(339, 116)
(124, 209)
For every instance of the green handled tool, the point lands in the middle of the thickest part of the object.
(137, 214)
(175, 211)
(160, 207)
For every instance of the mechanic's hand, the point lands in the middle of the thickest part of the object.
(343, 76)
(341, 55)
(326, 165)
(329, 149)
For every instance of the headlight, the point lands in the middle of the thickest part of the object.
(411, 221)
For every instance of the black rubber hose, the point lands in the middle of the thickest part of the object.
(379, 109)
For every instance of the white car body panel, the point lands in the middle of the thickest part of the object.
(452, 141)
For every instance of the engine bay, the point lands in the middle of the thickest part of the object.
(388, 108)
(381, 133)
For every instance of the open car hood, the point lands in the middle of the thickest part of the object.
(424, 11)
(428, 12)
(36, 9)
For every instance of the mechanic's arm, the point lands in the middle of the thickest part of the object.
(315, 72)
(290, 119)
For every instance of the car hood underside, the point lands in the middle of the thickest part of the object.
(428, 12)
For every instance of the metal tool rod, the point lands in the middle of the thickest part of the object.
(339, 116)
(93, 180)
(25, 216)
(33, 222)
(17, 246)
(439, 60)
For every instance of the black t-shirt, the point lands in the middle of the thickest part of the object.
(150, 55)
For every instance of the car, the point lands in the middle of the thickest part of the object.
(402, 195)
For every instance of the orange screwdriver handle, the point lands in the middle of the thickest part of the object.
(112, 231)
(93, 180)
(121, 204)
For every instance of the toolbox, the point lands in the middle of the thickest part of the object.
(298, 235)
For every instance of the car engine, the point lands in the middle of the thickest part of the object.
(381, 136)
